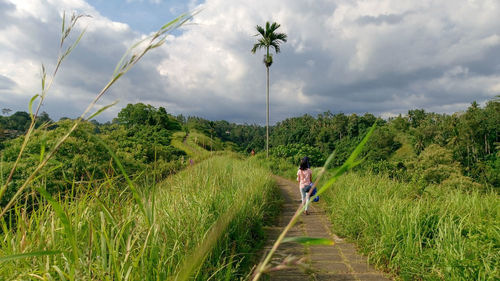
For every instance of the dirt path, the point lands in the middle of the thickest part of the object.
(338, 262)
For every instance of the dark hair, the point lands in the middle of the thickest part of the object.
(304, 163)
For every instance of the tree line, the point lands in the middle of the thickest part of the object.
(140, 136)
(430, 148)
(423, 146)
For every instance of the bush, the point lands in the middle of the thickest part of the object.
(293, 153)
(435, 164)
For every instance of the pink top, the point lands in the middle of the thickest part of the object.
(304, 177)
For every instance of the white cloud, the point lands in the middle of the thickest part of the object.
(379, 56)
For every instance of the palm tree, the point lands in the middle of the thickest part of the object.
(268, 39)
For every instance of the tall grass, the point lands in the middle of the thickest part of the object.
(133, 55)
(444, 234)
(186, 142)
(109, 238)
(198, 139)
(322, 186)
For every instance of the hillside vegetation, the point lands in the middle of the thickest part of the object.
(82, 219)
(422, 205)
(103, 234)
(442, 234)
(420, 147)
(140, 136)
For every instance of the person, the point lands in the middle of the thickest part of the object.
(304, 177)
(252, 152)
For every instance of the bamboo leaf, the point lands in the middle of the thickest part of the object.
(304, 240)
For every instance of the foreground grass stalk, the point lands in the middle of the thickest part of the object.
(261, 268)
(130, 58)
(349, 164)
(195, 259)
(207, 222)
(45, 87)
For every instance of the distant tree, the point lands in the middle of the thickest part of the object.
(381, 145)
(415, 117)
(6, 111)
(43, 118)
(19, 121)
(181, 119)
(140, 114)
(400, 123)
(269, 38)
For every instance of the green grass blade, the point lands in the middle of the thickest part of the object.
(62, 275)
(64, 220)
(44, 77)
(349, 163)
(28, 255)
(131, 185)
(309, 240)
(359, 148)
(63, 22)
(48, 172)
(42, 149)
(101, 110)
(30, 106)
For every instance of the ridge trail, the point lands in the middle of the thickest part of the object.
(339, 262)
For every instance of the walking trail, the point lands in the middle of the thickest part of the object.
(338, 262)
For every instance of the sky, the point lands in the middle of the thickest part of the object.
(384, 57)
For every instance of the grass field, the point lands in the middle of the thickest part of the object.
(444, 234)
(192, 144)
(439, 233)
(210, 214)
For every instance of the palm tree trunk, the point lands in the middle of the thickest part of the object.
(267, 116)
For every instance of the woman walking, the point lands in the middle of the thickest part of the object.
(304, 177)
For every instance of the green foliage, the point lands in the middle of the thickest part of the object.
(114, 241)
(246, 137)
(139, 114)
(295, 152)
(18, 121)
(471, 137)
(492, 170)
(296, 130)
(405, 152)
(435, 164)
(204, 141)
(269, 38)
(16, 124)
(81, 159)
(277, 166)
(381, 145)
(443, 234)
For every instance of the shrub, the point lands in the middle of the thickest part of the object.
(294, 152)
